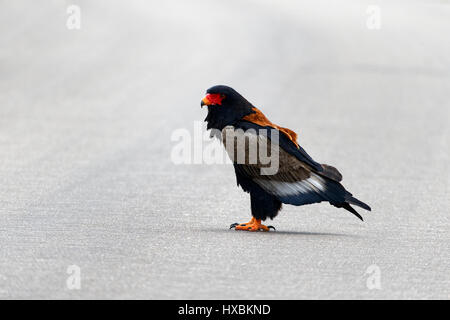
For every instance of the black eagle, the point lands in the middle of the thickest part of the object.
(298, 180)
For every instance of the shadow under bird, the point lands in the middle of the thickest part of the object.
(298, 180)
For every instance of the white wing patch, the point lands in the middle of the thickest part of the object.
(314, 184)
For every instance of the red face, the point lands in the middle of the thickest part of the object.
(212, 99)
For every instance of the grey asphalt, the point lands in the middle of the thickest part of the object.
(87, 178)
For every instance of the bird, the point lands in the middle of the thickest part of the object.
(299, 180)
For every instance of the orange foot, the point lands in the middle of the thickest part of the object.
(252, 225)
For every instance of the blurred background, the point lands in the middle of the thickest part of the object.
(91, 92)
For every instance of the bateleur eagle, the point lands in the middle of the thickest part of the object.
(298, 180)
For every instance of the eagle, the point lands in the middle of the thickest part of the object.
(296, 179)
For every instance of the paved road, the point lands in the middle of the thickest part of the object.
(87, 179)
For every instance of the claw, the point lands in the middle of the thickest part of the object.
(252, 225)
(233, 225)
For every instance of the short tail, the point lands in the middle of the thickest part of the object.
(351, 200)
(348, 207)
(358, 203)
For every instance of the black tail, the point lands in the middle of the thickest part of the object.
(348, 207)
(357, 202)
(351, 200)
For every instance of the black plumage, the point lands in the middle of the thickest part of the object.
(299, 180)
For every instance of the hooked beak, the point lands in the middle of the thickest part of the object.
(205, 102)
(212, 99)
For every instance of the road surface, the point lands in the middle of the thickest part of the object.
(89, 189)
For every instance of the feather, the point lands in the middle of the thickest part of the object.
(295, 182)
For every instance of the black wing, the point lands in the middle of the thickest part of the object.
(298, 152)
(296, 181)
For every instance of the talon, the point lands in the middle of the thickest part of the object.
(252, 225)
(233, 225)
